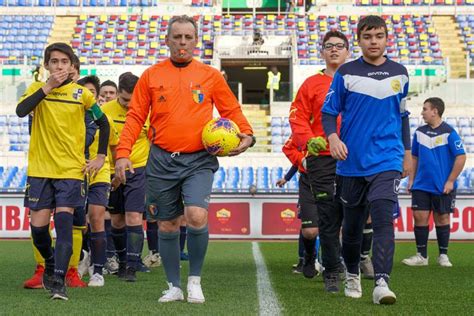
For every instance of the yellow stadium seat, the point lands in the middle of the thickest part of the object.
(103, 18)
(141, 53)
(75, 36)
(110, 30)
(132, 25)
(237, 23)
(404, 52)
(145, 17)
(105, 58)
(301, 24)
(423, 37)
(166, 18)
(131, 44)
(449, 2)
(152, 30)
(162, 36)
(99, 37)
(312, 17)
(90, 24)
(207, 18)
(431, 30)
(313, 37)
(199, 45)
(95, 50)
(153, 24)
(364, 2)
(89, 31)
(206, 37)
(123, 17)
(120, 37)
(271, 17)
(153, 45)
(141, 37)
(344, 24)
(163, 51)
(83, 59)
(217, 24)
(82, 17)
(12, 57)
(386, 2)
(109, 45)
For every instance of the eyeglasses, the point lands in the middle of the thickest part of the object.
(329, 46)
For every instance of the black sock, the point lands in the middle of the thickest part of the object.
(309, 245)
(42, 241)
(381, 212)
(182, 237)
(119, 236)
(421, 239)
(85, 241)
(300, 246)
(110, 252)
(63, 248)
(134, 245)
(152, 236)
(366, 241)
(98, 244)
(442, 234)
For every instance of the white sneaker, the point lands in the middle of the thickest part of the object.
(416, 260)
(367, 268)
(96, 280)
(382, 294)
(172, 294)
(352, 286)
(84, 264)
(443, 260)
(152, 260)
(195, 294)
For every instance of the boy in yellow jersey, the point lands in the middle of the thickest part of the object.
(79, 222)
(127, 201)
(98, 196)
(56, 163)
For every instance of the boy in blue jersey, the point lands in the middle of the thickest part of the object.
(373, 150)
(438, 159)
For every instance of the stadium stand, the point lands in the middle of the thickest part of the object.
(413, 2)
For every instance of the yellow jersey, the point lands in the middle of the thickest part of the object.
(117, 113)
(103, 176)
(57, 138)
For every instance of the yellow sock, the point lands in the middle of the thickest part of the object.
(38, 257)
(76, 247)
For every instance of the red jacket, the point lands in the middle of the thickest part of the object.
(295, 155)
(305, 112)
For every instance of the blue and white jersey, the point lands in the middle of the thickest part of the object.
(436, 150)
(371, 101)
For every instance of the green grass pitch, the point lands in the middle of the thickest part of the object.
(230, 286)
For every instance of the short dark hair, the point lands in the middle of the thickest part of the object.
(76, 63)
(337, 34)
(370, 22)
(60, 47)
(436, 103)
(109, 83)
(93, 80)
(127, 82)
(182, 19)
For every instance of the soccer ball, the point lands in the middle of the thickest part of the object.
(219, 136)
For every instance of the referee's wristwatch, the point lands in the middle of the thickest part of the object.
(254, 140)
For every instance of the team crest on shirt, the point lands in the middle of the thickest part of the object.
(77, 93)
(458, 144)
(396, 86)
(438, 140)
(198, 96)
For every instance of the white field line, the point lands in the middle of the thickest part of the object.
(267, 300)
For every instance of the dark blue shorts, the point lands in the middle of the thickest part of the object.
(356, 191)
(129, 197)
(426, 201)
(98, 194)
(174, 181)
(46, 193)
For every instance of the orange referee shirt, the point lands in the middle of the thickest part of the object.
(305, 112)
(180, 102)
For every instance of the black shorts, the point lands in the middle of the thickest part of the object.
(357, 191)
(307, 205)
(426, 201)
(322, 176)
(129, 197)
(47, 193)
